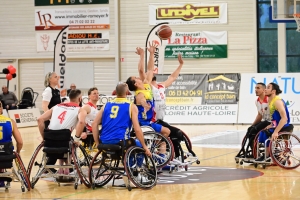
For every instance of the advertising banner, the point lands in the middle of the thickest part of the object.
(67, 2)
(159, 56)
(77, 41)
(202, 98)
(25, 117)
(202, 44)
(188, 13)
(104, 99)
(60, 56)
(77, 18)
(289, 83)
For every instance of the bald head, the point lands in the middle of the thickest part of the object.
(121, 89)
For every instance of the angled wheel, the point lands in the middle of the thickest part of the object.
(161, 148)
(100, 174)
(35, 164)
(140, 168)
(82, 163)
(22, 172)
(284, 151)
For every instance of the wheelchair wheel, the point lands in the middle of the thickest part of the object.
(100, 174)
(22, 172)
(35, 164)
(255, 143)
(140, 168)
(187, 140)
(82, 162)
(161, 148)
(283, 151)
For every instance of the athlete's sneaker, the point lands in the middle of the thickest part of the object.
(143, 179)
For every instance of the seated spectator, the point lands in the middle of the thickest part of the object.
(8, 99)
(72, 87)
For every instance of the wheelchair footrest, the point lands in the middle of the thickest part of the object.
(56, 150)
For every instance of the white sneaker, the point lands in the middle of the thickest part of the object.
(142, 179)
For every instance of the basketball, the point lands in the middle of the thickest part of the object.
(164, 32)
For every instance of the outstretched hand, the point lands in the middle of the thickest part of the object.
(180, 59)
(140, 51)
(152, 47)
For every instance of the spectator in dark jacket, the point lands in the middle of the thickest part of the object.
(8, 99)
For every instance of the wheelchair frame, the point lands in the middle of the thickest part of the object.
(18, 172)
(42, 166)
(111, 157)
(284, 144)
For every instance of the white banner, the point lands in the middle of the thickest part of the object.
(104, 99)
(188, 13)
(79, 41)
(25, 117)
(159, 56)
(289, 83)
(77, 18)
(60, 57)
(201, 114)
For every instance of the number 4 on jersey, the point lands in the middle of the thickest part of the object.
(61, 117)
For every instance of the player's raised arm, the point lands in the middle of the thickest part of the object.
(149, 75)
(175, 74)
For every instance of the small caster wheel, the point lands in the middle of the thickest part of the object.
(241, 163)
(76, 186)
(255, 165)
(197, 162)
(129, 187)
(236, 160)
(264, 166)
(186, 168)
(23, 189)
(93, 186)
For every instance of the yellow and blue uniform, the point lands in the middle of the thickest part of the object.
(116, 121)
(6, 129)
(275, 115)
(145, 118)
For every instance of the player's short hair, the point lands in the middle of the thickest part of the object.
(91, 90)
(74, 94)
(154, 78)
(121, 89)
(262, 84)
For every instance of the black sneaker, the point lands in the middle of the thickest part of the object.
(260, 159)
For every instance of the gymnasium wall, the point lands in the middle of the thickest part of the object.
(241, 30)
(18, 43)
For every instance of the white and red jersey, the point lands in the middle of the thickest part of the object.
(159, 95)
(90, 117)
(64, 116)
(263, 108)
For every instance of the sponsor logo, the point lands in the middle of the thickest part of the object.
(25, 118)
(17, 117)
(45, 40)
(187, 12)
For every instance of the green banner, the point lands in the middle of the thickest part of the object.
(67, 2)
(196, 51)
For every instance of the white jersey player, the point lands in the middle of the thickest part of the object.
(62, 116)
(159, 95)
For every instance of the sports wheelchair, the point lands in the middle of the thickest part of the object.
(184, 155)
(58, 144)
(283, 151)
(18, 172)
(160, 146)
(123, 160)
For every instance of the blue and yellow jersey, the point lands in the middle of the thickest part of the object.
(146, 117)
(116, 120)
(275, 114)
(6, 129)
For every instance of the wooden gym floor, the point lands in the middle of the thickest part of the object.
(217, 177)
